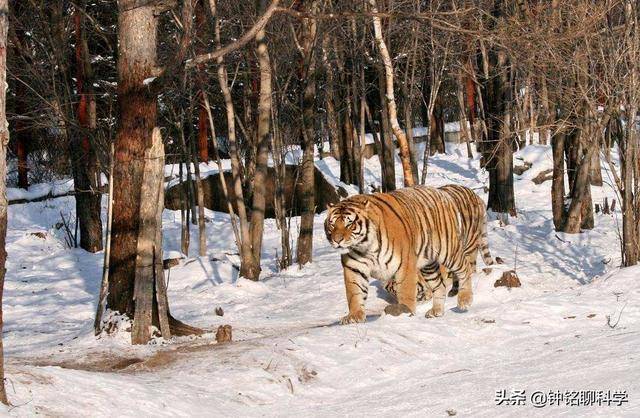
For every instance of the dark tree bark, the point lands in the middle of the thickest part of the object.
(203, 125)
(497, 97)
(630, 180)
(83, 153)
(330, 101)
(4, 141)
(387, 158)
(436, 128)
(557, 182)
(305, 238)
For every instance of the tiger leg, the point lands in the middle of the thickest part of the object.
(356, 284)
(407, 282)
(423, 291)
(461, 267)
(438, 281)
(455, 286)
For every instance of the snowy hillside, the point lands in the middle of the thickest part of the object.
(574, 325)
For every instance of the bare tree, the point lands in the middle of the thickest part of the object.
(308, 59)
(405, 153)
(4, 141)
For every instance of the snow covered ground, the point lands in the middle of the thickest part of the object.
(574, 325)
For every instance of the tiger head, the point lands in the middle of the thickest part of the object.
(347, 223)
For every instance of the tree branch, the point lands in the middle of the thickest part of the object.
(244, 39)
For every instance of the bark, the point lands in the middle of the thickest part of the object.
(305, 238)
(466, 130)
(557, 183)
(149, 243)
(244, 240)
(4, 141)
(135, 257)
(334, 132)
(203, 135)
(546, 115)
(579, 144)
(347, 163)
(387, 157)
(436, 128)
(203, 126)
(83, 154)
(202, 229)
(280, 202)
(137, 111)
(22, 132)
(595, 175)
(580, 196)
(405, 154)
(250, 268)
(630, 238)
(497, 98)
(104, 286)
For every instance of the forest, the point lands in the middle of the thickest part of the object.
(170, 171)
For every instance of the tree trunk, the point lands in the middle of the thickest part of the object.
(557, 183)
(250, 268)
(308, 204)
(436, 128)
(596, 170)
(4, 141)
(334, 132)
(629, 160)
(21, 131)
(408, 124)
(83, 153)
(149, 245)
(203, 126)
(546, 115)
(137, 111)
(405, 153)
(497, 96)
(388, 155)
(136, 285)
(244, 242)
(580, 195)
(203, 134)
(466, 130)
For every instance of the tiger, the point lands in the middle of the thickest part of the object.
(474, 230)
(401, 235)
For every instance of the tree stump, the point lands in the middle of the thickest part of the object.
(509, 279)
(223, 335)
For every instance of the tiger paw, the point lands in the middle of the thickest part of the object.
(465, 298)
(434, 313)
(397, 309)
(353, 318)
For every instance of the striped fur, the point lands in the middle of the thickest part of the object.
(402, 235)
(474, 232)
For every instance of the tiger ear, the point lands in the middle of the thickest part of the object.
(330, 205)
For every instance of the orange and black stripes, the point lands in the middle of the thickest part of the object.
(406, 238)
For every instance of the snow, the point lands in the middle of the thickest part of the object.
(290, 358)
(40, 190)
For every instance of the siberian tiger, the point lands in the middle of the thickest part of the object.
(474, 231)
(402, 235)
